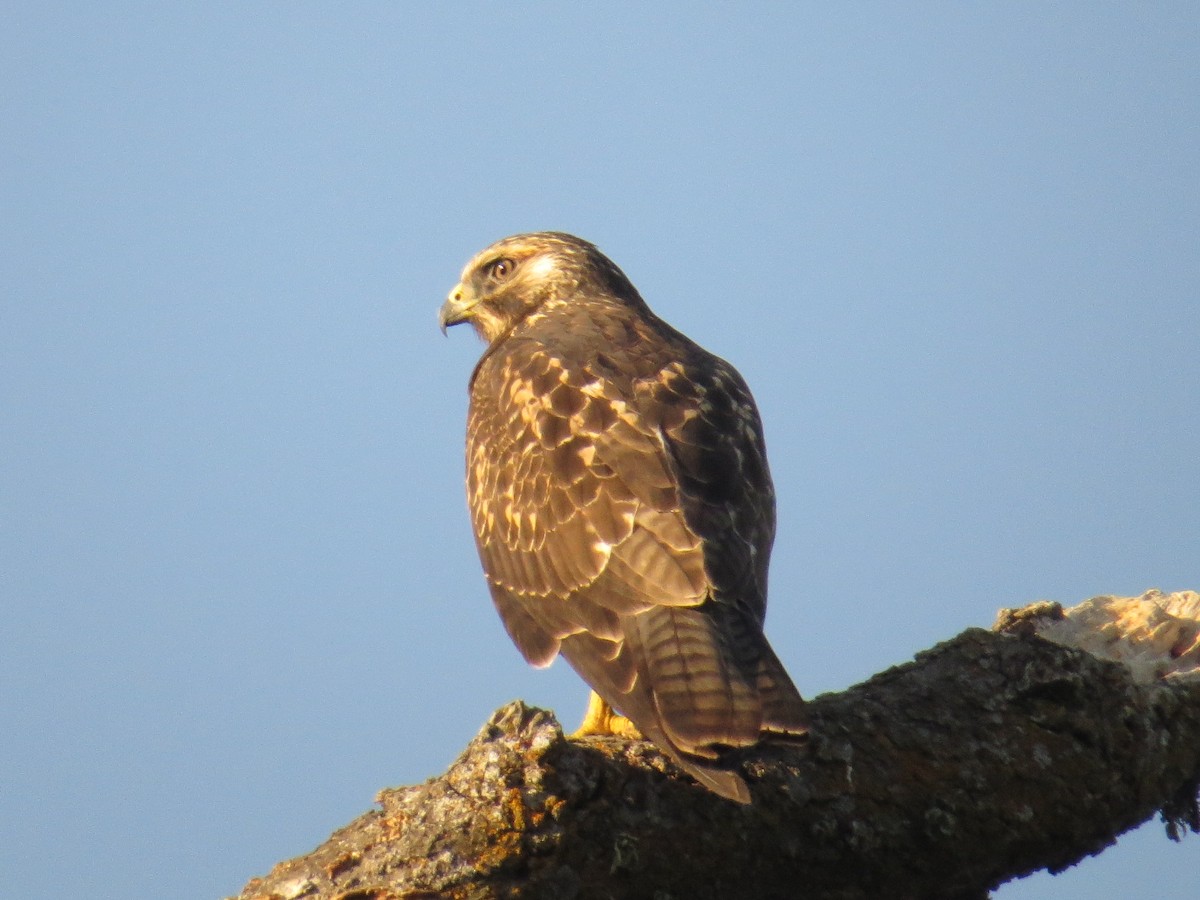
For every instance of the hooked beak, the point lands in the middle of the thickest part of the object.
(456, 309)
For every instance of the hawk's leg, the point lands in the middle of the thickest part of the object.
(601, 719)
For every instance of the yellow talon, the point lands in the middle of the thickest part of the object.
(600, 719)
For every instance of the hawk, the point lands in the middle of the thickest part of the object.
(623, 510)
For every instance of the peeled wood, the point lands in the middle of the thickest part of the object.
(988, 757)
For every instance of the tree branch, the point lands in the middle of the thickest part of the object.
(988, 757)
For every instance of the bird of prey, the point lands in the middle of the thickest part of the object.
(623, 509)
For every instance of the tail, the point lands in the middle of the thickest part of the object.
(698, 682)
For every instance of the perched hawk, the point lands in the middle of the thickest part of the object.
(622, 505)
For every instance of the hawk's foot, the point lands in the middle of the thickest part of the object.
(601, 719)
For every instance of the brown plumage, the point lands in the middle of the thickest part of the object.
(622, 505)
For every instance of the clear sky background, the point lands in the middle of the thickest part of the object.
(952, 247)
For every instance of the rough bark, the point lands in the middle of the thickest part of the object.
(988, 757)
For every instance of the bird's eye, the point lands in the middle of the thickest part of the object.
(501, 269)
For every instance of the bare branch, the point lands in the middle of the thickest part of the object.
(988, 757)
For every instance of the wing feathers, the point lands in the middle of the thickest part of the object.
(624, 515)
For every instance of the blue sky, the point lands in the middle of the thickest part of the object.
(951, 247)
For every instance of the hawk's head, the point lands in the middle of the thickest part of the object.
(520, 274)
